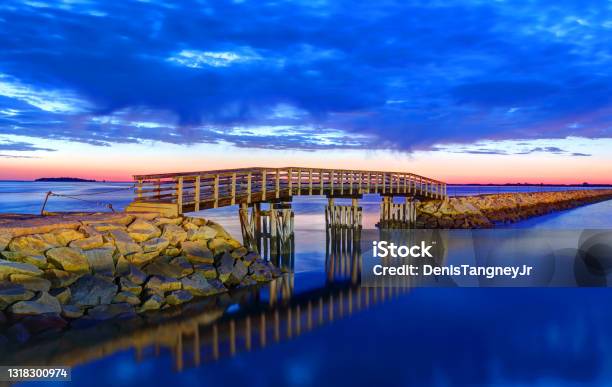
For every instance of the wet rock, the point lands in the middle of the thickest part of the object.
(32, 244)
(63, 295)
(136, 275)
(43, 303)
(178, 297)
(203, 233)
(172, 251)
(239, 252)
(197, 252)
(128, 286)
(101, 260)
(91, 290)
(93, 242)
(10, 293)
(198, 285)
(221, 233)
(219, 246)
(111, 311)
(121, 264)
(40, 261)
(68, 259)
(5, 238)
(126, 297)
(44, 323)
(36, 284)
(158, 284)
(174, 234)
(208, 270)
(124, 243)
(140, 230)
(61, 278)
(160, 268)
(71, 311)
(183, 264)
(8, 267)
(155, 244)
(140, 259)
(249, 258)
(153, 302)
(163, 221)
(66, 235)
(260, 271)
(231, 271)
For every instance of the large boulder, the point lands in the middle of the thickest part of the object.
(129, 286)
(61, 278)
(10, 293)
(140, 230)
(8, 267)
(153, 302)
(63, 295)
(219, 246)
(159, 284)
(185, 266)
(43, 303)
(93, 242)
(164, 269)
(174, 234)
(68, 259)
(124, 243)
(197, 252)
(202, 233)
(135, 275)
(33, 244)
(140, 259)
(155, 244)
(5, 238)
(208, 270)
(178, 297)
(66, 235)
(260, 271)
(36, 284)
(91, 290)
(198, 285)
(231, 270)
(126, 297)
(101, 260)
(40, 261)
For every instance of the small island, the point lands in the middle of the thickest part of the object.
(65, 180)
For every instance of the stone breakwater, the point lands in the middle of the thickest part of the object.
(73, 270)
(484, 211)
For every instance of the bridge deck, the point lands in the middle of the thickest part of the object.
(176, 193)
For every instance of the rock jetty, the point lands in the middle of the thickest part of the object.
(69, 270)
(484, 211)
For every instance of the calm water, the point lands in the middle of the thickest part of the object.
(425, 336)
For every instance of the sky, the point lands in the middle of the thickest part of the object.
(463, 91)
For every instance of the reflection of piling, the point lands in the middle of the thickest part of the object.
(397, 215)
(343, 254)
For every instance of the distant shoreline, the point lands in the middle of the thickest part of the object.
(65, 180)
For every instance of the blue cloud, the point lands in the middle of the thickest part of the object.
(385, 74)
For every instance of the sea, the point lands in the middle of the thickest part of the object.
(319, 326)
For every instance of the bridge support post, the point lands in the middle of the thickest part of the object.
(269, 232)
(343, 216)
(397, 215)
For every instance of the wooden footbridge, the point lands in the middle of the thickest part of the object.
(177, 193)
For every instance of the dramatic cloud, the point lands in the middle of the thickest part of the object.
(306, 75)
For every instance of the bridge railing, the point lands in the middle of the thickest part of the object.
(212, 189)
